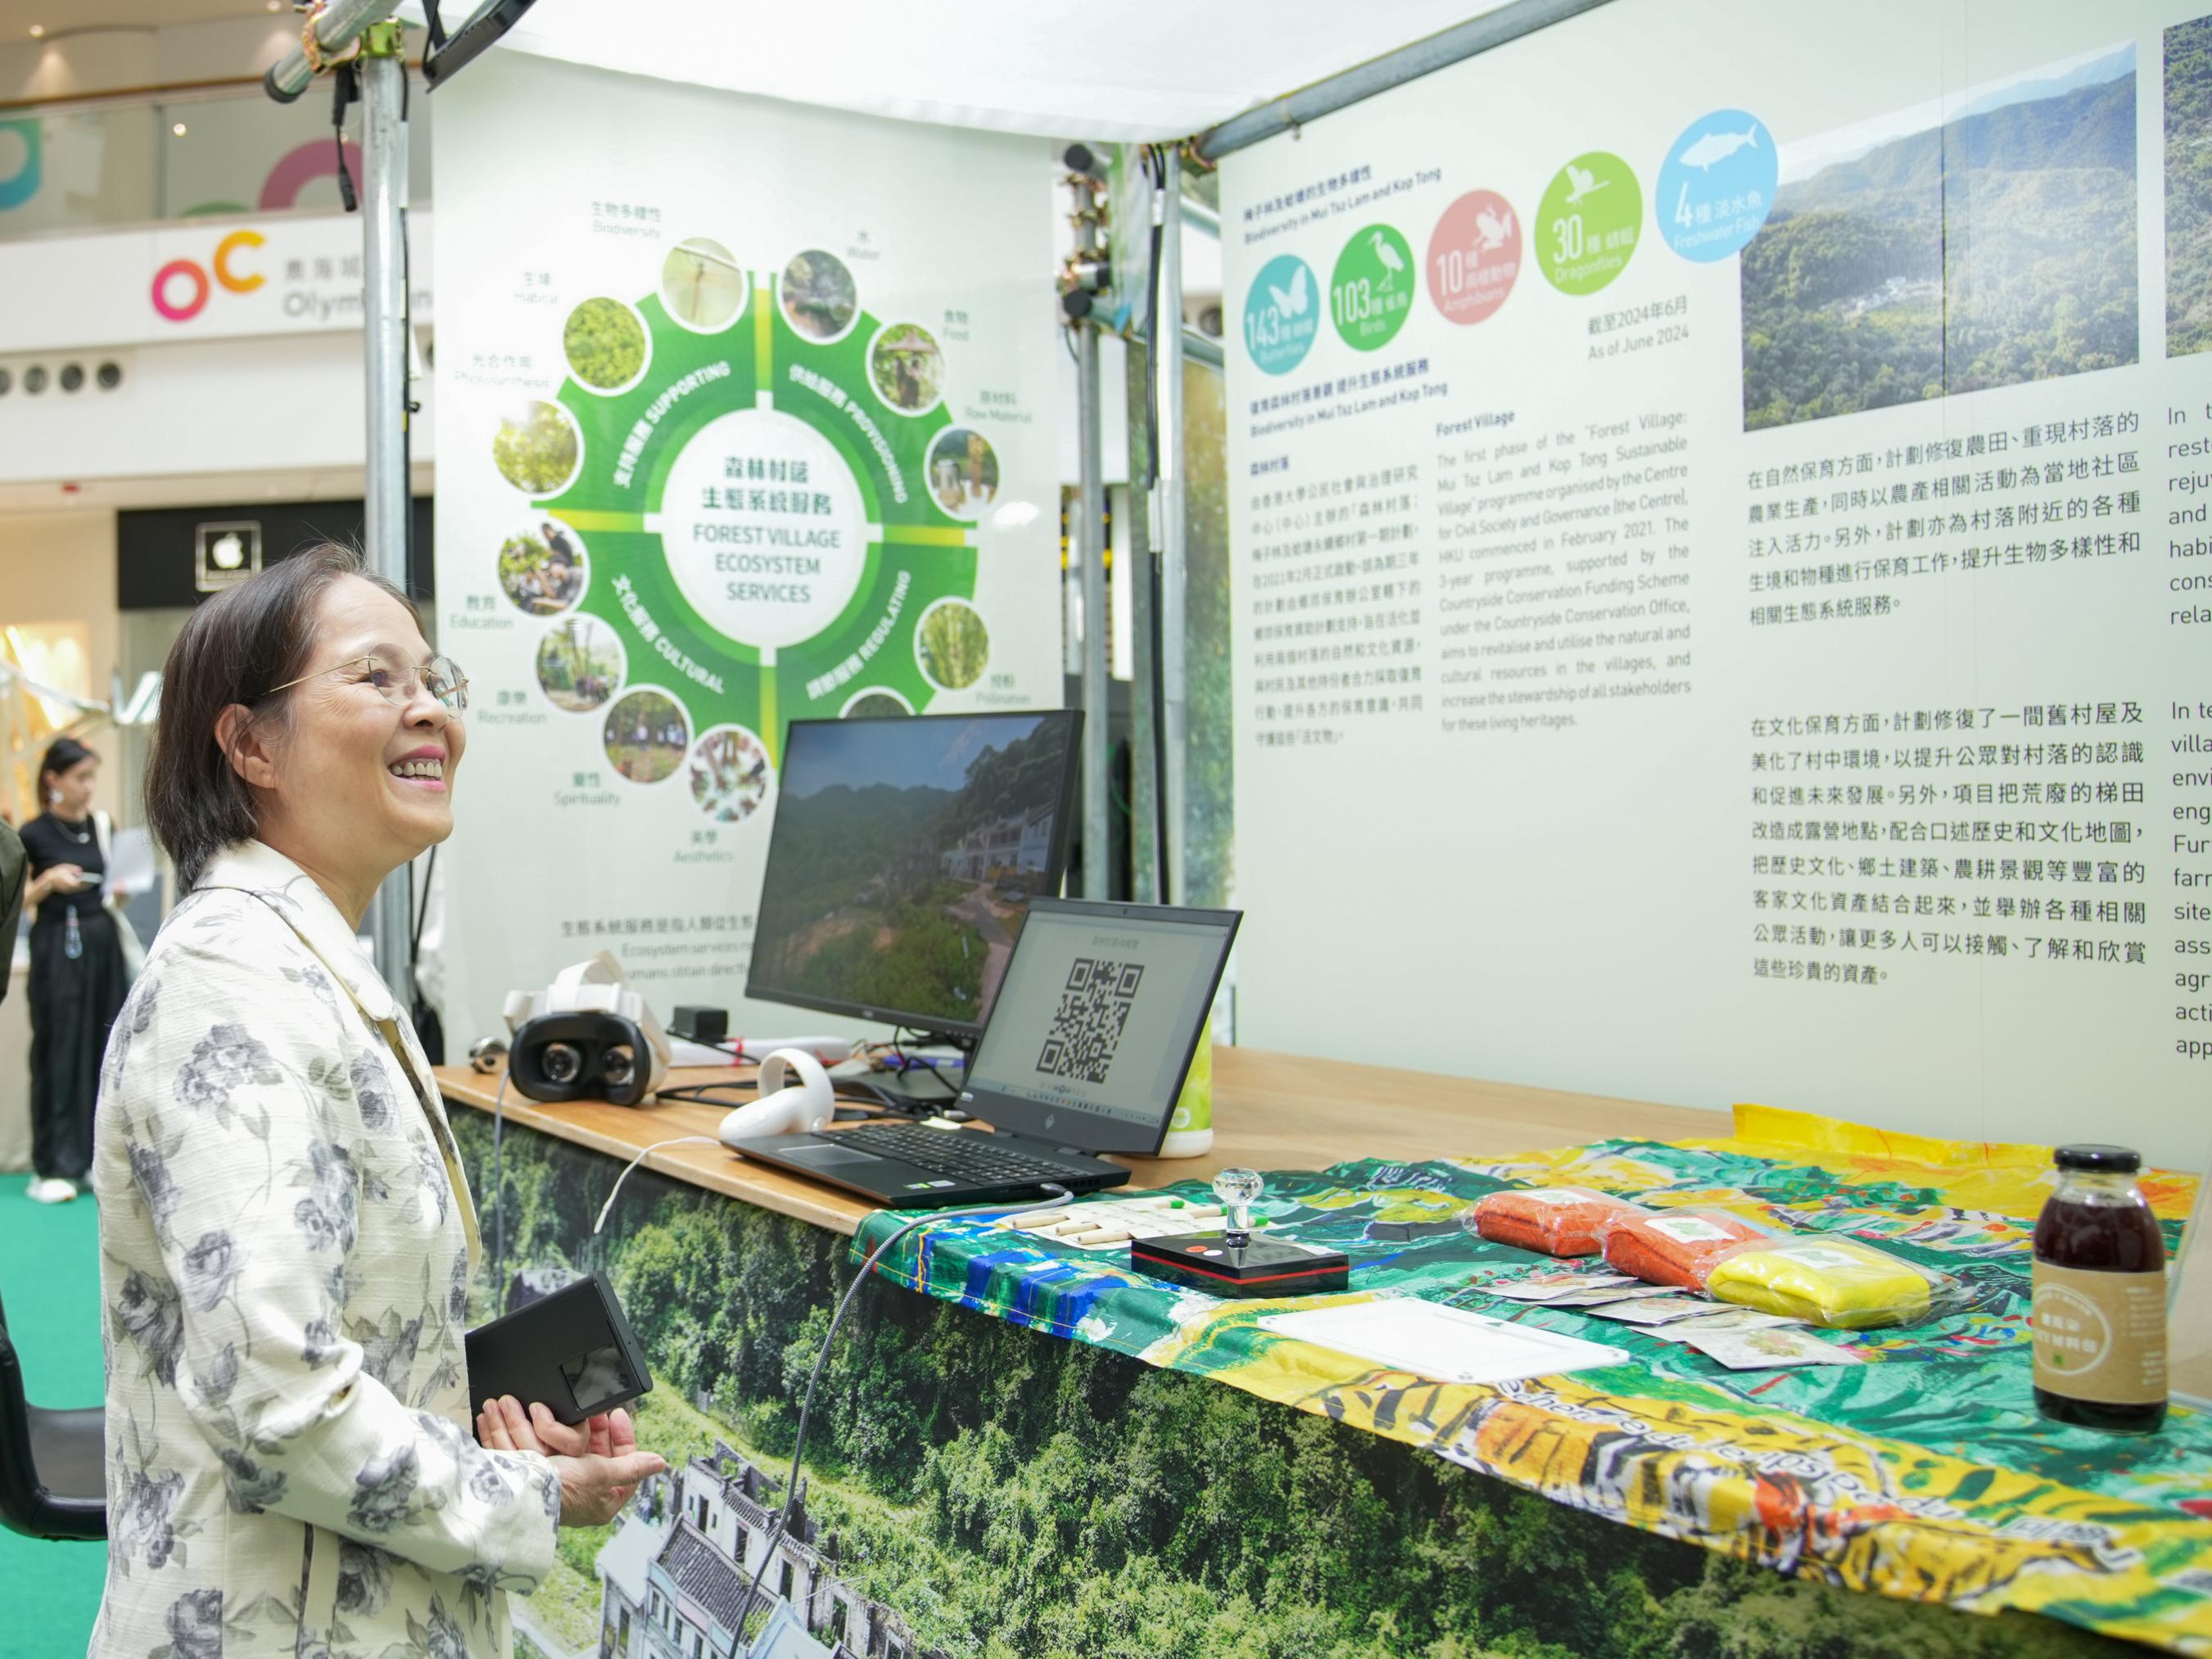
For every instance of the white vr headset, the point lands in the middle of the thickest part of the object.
(596, 986)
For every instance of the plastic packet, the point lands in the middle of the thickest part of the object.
(1676, 1246)
(1551, 1220)
(1836, 1282)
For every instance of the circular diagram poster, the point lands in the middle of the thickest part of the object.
(714, 457)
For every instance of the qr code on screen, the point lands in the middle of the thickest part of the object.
(1093, 1013)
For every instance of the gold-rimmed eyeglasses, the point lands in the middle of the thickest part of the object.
(395, 681)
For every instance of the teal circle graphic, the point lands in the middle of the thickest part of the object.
(1717, 186)
(1282, 314)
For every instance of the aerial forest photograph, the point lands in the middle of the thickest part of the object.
(2189, 187)
(1934, 250)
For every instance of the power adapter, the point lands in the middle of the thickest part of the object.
(708, 1025)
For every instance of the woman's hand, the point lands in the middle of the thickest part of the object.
(65, 878)
(599, 1464)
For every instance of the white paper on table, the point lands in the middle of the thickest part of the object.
(1449, 1344)
(131, 865)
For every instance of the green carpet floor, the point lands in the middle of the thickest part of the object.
(49, 1284)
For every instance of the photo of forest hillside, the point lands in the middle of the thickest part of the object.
(2189, 187)
(1993, 248)
(906, 896)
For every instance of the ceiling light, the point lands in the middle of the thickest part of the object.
(276, 5)
(37, 31)
(179, 129)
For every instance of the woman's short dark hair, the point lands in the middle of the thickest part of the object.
(235, 649)
(61, 755)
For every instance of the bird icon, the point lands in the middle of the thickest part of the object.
(1584, 181)
(1390, 256)
(1496, 228)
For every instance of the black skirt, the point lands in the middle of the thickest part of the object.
(74, 1001)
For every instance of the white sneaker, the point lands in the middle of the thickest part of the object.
(52, 1189)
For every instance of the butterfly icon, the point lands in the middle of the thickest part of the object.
(1293, 303)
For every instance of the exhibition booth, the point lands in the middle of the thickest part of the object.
(1348, 836)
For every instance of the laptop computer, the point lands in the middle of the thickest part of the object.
(1098, 1017)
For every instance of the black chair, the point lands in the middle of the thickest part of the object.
(53, 1464)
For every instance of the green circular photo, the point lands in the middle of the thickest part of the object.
(702, 287)
(646, 735)
(875, 705)
(538, 449)
(906, 368)
(605, 345)
(820, 298)
(1372, 291)
(952, 645)
(1588, 223)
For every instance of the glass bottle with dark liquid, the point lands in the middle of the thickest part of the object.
(2099, 1322)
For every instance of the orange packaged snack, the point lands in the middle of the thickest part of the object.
(1551, 1220)
(1676, 1246)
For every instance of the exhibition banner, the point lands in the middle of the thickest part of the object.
(742, 420)
(1722, 583)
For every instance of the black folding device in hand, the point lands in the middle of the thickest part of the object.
(573, 1350)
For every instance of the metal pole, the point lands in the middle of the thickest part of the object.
(1393, 69)
(1144, 667)
(384, 316)
(334, 29)
(1166, 330)
(1090, 508)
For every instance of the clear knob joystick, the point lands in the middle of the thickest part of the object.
(1238, 1190)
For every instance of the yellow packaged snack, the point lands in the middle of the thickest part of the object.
(1836, 1282)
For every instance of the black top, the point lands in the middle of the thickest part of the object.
(2111, 1160)
(51, 840)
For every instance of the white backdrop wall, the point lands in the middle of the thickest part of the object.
(817, 477)
(1721, 603)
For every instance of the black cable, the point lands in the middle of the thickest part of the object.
(783, 1520)
(499, 1197)
(345, 88)
(1158, 175)
(437, 26)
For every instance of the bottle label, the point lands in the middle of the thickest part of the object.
(2100, 1336)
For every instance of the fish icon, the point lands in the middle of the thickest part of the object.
(1293, 303)
(1496, 228)
(1712, 146)
(1584, 181)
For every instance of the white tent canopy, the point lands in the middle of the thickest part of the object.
(1004, 65)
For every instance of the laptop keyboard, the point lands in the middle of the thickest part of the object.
(959, 1154)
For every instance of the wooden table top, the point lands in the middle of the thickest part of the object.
(1270, 1111)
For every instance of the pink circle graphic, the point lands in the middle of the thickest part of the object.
(297, 168)
(1475, 254)
(180, 268)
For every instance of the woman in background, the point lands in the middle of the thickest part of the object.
(78, 979)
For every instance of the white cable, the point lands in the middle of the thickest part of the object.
(680, 1140)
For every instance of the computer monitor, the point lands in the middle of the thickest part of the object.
(904, 853)
(1101, 1012)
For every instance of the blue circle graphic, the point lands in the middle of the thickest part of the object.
(1282, 314)
(1717, 186)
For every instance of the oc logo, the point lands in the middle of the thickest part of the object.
(183, 272)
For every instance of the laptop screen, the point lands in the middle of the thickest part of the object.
(1097, 1019)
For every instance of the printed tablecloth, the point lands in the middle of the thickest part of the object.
(1925, 1474)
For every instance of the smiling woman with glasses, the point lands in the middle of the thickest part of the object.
(286, 1236)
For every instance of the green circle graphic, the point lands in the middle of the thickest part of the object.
(1589, 222)
(910, 553)
(1371, 292)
